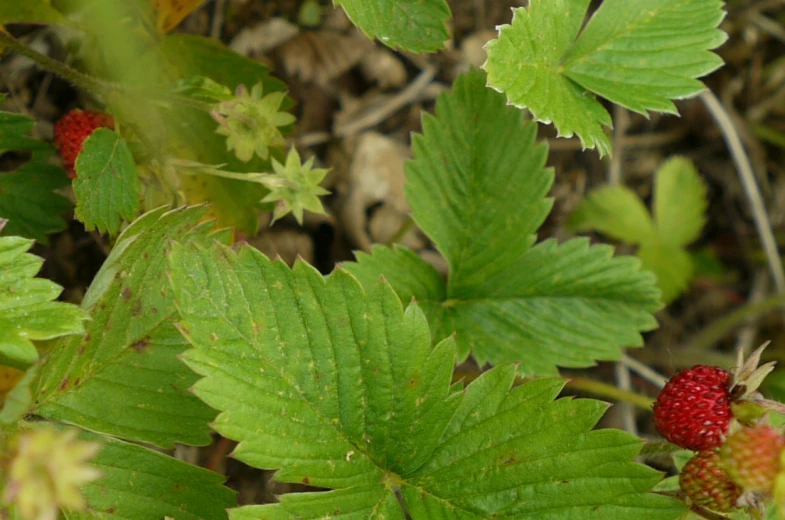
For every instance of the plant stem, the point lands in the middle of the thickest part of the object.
(719, 328)
(77, 78)
(707, 514)
(607, 390)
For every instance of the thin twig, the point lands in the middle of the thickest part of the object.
(218, 19)
(624, 382)
(717, 330)
(621, 120)
(749, 330)
(643, 370)
(750, 188)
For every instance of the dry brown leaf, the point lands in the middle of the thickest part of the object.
(321, 56)
(375, 180)
(383, 67)
(263, 37)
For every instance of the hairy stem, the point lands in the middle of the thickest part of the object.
(73, 76)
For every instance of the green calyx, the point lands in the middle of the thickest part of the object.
(295, 187)
(251, 122)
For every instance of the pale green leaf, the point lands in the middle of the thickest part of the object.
(413, 25)
(671, 264)
(640, 54)
(339, 388)
(124, 376)
(141, 483)
(107, 187)
(29, 203)
(616, 211)
(679, 215)
(680, 202)
(27, 312)
(30, 12)
(477, 188)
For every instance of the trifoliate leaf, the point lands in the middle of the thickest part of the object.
(477, 188)
(640, 54)
(27, 310)
(340, 388)
(124, 377)
(413, 25)
(107, 187)
(295, 187)
(137, 482)
(679, 215)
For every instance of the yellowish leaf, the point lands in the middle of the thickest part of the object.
(172, 12)
(9, 376)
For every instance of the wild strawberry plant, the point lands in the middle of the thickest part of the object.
(344, 382)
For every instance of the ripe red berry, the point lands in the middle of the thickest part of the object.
(71, 131)
(751, 456)
(693, 410)
(707, 484)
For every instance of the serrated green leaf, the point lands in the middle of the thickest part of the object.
(107, 187)
(640, 54)
(141, 483)
(616, 211)
(29, 11)
(413, 25)
(477, 188)
(679, 202)
(339, 388)
(124, 377)
(29, 203)
(27, 312)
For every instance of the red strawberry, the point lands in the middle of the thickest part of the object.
(71, 131)
(693, 410)
(751, 456)
(707, 484)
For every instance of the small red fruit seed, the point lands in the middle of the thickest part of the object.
(693, 410)
(71, 131)
(707, 484)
